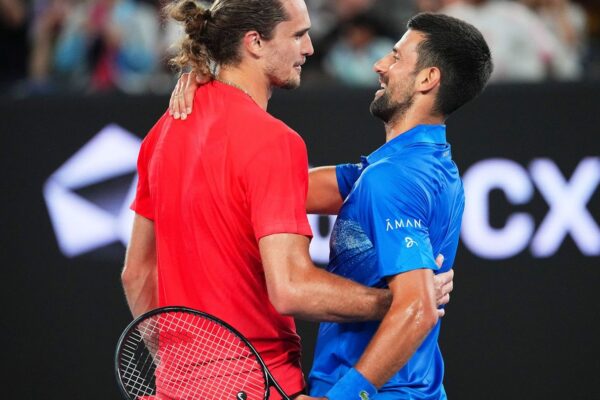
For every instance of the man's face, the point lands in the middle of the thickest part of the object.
(397, 76)
(289, 47)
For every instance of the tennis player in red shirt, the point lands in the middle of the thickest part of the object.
(220, 222)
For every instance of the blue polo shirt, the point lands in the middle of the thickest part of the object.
(403, 205)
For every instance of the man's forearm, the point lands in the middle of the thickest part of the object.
(324, 297)
(140, 273)
(140, 291)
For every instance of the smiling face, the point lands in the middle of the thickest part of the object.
(289, 47)
(397, 76)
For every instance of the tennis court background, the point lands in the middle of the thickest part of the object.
(524, 325)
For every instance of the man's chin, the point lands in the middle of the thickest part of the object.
(291, 84)
(380, 108)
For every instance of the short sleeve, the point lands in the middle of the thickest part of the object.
(346, 175)
(142, 203)
(395, 212)
(276, 181)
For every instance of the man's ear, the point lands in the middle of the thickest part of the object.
(253, 43)
(428, 79)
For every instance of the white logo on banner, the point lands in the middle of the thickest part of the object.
(80, 225)
(567, 199)
(319, 245)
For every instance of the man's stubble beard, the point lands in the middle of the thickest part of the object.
(387, 110)
(291, 84)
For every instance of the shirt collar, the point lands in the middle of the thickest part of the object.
(419, 134)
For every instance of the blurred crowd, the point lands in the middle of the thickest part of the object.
(87, 46)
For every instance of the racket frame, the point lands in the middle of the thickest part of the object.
(269, 380)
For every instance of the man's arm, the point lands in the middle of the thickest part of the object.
(409, 320)
(323, 192)
(297, 287)
(139, 274)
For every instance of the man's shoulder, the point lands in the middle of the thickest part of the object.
(261, 124)
(260, 131)
(390, 170)
(395, 181)
(156, 130)
(242, 113)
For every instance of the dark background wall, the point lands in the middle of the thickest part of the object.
(521, 326)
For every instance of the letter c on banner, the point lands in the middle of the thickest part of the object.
(477, 234)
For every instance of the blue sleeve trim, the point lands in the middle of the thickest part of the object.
(346, 175)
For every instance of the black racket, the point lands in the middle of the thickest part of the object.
(176, 353)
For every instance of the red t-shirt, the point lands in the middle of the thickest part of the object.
(214, 184)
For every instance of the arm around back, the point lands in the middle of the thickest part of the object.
(323, 193)
(297, 287)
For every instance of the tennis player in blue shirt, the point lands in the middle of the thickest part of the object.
(397, 208)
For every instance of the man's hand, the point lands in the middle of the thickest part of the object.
(443, 283)
(303, 397)
(182, 98)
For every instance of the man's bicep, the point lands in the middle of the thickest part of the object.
(142, 246)
(283, 257)
(280, 251)
(416, 283)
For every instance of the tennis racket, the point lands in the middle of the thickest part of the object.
(176, 353)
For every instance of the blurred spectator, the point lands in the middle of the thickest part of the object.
(107, 44)
(523, 49)
(592, 62)
(327, 15)
(350, 60)
(13, 42)
(394, 14)
(48, 18)
(567, 20)
(330, 20)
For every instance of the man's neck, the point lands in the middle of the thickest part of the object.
(252, 82)
(413, 117)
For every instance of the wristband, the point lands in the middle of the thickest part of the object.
(352, 386)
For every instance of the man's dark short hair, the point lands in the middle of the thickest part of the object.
(459, 50)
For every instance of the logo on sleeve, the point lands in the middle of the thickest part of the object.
(410, 242)
(391, 225)
(363, 395)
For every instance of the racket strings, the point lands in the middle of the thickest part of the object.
(184, 356)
